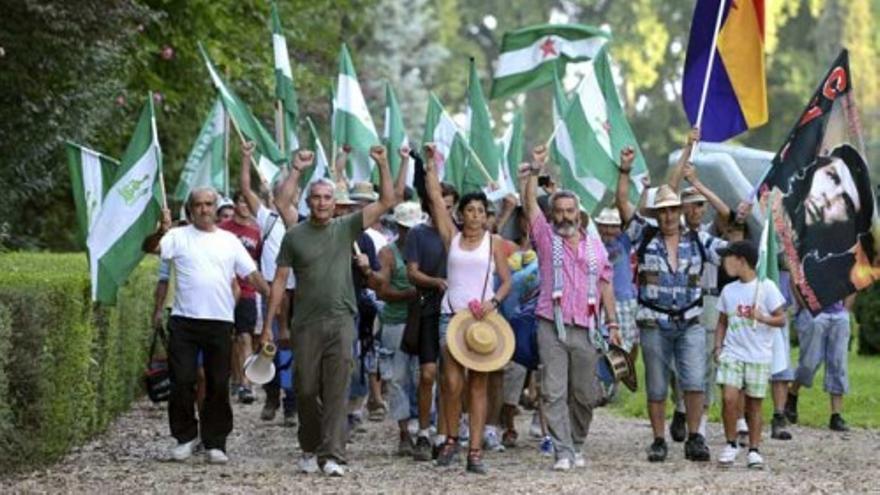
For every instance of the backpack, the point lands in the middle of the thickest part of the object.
(648, 234)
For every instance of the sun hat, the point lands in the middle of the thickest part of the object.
(691, 195)
(480, 345)
(608, 216)
(409, 214)
(665, 197)
(342, 198)
(363, 191)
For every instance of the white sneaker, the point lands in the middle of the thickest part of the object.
(217, 456)
(755, 461)
(562, 464)
(183, 451)
(579, 460)
(308, 464)
(333, 469)
(491, 442)
(742, 427)
(728, 455)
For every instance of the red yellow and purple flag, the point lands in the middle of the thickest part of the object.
(736, 92)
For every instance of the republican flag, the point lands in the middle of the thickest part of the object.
(736, 96)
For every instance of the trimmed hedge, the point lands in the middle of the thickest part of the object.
(67, 368)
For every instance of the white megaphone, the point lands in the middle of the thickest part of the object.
(259, 368)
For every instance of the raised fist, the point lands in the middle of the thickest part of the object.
(539, 154)
(248, 148)
(303, 159)
(377, 153)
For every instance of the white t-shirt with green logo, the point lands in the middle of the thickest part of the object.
(747, 340)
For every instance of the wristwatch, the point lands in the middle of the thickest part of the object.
(495, 302)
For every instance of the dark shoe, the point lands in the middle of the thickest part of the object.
(509, 439)
(837, 423)
(422, 450)
(246, 395)
(289, 418)
(657, 451)
(475, 462)
(791, 413)
(696, 449)
(678, 427)
(405, 445)
(778, 429)
(273, 402)
(448, 452)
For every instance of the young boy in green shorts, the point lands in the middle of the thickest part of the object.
(749, 312)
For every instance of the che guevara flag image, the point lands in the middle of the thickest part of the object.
(825, 212)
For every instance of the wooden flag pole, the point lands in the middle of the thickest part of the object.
(243, 141)
(158, 150)
(701, 109)
(226, 144)
(279, 127)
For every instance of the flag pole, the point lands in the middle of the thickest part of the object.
(243, 141)
(158, 150)
(473, 153)
(226, 146)
(701, 109)
(279, 127)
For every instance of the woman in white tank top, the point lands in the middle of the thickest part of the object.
(474, 256)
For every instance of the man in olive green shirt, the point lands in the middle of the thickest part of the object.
(319, 252)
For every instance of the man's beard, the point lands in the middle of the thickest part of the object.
(565, 228)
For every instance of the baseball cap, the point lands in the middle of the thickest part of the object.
(742, 249)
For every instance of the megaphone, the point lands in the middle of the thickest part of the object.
(259, 368)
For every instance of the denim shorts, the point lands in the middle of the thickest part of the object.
(445, 318)
(824, 339)
(685, 347)
(787, 374)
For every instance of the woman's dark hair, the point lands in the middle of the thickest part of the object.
(446, 189)
(470, 198)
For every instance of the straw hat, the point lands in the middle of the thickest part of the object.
(409, 214)
(342, 198)
(363, 191)
(665, 198)
(480, 345)
(622, 367)
(608, 216)
(691, 195)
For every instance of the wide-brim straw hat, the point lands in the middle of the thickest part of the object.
(342, 198)
(409, 214)
(665, 197)
(691, 195)
(608, 216)
(363, 191)
(622, 366)
(480, 345)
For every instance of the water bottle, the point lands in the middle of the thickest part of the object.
(546, 446)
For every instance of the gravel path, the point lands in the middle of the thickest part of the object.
(132, 458)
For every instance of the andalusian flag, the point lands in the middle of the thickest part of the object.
(452, 150)
(284, 89)
(206, 163)
(353, 124)
(481, 139)
(510, 147)
(394, 135)
(267, 156)
(530, 56)
(91, 175)
(317, 171)
(768, 262)
(561, 102)
(595, 117)
(129, 213)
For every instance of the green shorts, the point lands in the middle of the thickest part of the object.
(749, 377)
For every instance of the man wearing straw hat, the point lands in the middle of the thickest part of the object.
(576, 281)
(318, 251)
(670, 294)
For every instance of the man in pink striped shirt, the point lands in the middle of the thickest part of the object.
(575, 283)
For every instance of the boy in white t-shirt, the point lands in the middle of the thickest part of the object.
(749, 312)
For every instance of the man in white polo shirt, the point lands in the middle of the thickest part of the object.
(206, 260)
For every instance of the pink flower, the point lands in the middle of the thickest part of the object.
(167, 53)
(157, 98)
(120, 100)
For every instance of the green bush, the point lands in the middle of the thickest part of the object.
(867, 313)
(67, 368)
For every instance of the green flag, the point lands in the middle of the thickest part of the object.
(768, 262)
(91, 175)
(440, 129)
(510, 148)
(129, 212)
(285, 92)
(530, 56)
(394, 134)
(267, 156)
(481, 138)
(352, 123)
(318, 171)
(590, 163)
(206, 163)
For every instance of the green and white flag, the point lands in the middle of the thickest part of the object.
(285, 92)
(480, 138)
(510, 147)
(206, 163)
(91, 175)
(530, 56)
(319, 170)
(451, 143)
(129, 213)
(267, 157)
(590, 163)
(352, 123)
(768, 262)
(394, 135)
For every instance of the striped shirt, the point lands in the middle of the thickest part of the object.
(661, 286)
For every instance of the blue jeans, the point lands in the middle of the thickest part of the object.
(400, 370)
(824, 338)
(685, 347)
